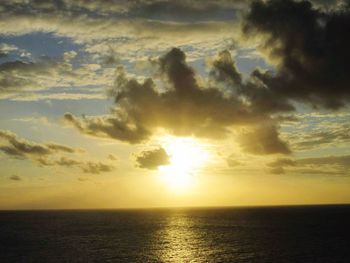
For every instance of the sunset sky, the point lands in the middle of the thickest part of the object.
(157, 103)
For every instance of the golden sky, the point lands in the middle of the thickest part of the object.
(123, 104)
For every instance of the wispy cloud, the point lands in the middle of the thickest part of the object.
(47, 154)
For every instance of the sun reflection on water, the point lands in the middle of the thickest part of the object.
(179, 239)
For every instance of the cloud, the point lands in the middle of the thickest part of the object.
(342, 161)
(322, 135)
(112, 157)
(15, 178)
(14, 146)
(64, 161)
(16, 76)
(233, 162)
(116, 127)
(225, 70)
(96, 167)
(260, 98)
(90, 167)
(150, 9)
(263, 139)
(329, 5)
(310, 46)
(277, 170)
(84, 24)
(329, 165)
(277, 166)
(152, 159)
(61, 148)
(129, 28)
(322, 172)
(25, 79)
(186, 10)
(10, 49)
(182, 107)
(5, 49)
(47, 154)
(282, 162)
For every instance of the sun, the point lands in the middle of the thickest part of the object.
(187, 157)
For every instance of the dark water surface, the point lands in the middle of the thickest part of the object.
(269, 234)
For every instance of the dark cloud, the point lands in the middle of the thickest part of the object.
(15, 178)
(277, 166)
(190, 11)
(152, 159)
(330, 5)
(118, 127)
(225, 70)
(311, 47)
(82, 179)
(112, 157)
(282, 162)
(316, 171)
(45, 154)
(181, 10)
(263, 139)
(232, 162)
(261, 100)
(330, 165)
(96, 167)
(341, 161)
(61, 148)
(85, 166)
(277, 170)
(147, 23)
(183, 107)
(18, 147)
(64, 161)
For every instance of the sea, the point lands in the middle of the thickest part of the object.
(242, 234)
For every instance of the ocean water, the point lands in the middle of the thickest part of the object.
(269, 234)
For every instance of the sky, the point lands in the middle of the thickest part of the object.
(159, 103)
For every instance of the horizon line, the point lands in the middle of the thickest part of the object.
(174, 207)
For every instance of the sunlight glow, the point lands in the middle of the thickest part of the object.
(187, 156)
